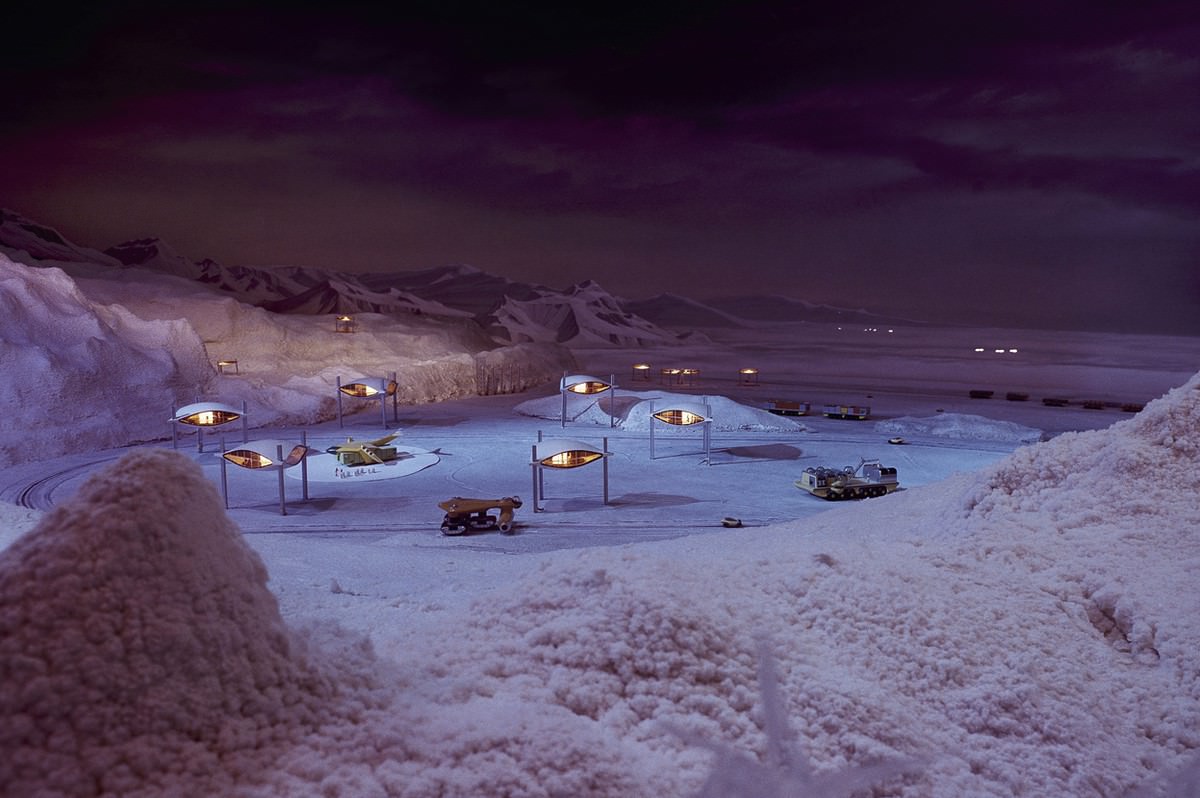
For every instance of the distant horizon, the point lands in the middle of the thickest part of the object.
(896, 314)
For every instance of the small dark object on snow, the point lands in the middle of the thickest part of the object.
(731, 523)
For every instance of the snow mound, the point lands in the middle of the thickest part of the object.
(634, 409)
(139, 645)
(962, 426)
(1146, 467)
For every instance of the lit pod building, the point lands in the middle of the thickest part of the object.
(683, 414)
(564, 454)
(201, 416)
(266, 455)
(587, 385)
(372, 389)
(641, 372)
(748, 376)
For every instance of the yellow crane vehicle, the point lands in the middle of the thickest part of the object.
(868, 479)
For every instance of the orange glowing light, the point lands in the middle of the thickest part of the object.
(588, 387)
(680, 418)
(573, 458)
(209, 418)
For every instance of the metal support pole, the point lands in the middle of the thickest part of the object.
(383, 400)
(339, 400)
(395, 400)
(245, 424)
(605, 458)
(612, 404)
(224, 475)
(707, 440)
(279, 459)
(652, 420)
(541, 474)
(304, 463)
(533, 464)
(562, 389)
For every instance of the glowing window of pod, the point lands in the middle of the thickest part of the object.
(563, 453)
(641, 367)
(682, 415)
(206, 414)
(364, 390)
(747, 372)
(263, 454)
(583, 384)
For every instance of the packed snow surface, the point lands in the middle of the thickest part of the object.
(1026, 630)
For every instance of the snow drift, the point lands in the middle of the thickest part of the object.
(960, 426)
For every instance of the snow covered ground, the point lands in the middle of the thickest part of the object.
(1020, 620)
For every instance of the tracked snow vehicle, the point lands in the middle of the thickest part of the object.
(869, 479)
(472, 514)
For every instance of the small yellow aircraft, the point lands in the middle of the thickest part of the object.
(358, 453)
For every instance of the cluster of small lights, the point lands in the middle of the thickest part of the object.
(1012, 351)
(872, 329)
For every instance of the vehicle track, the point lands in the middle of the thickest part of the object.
(39, 494)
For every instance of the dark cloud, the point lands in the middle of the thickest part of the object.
(871, 153)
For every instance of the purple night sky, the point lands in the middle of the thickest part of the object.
(1000, 161)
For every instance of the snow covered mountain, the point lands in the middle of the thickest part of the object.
(280, 290)
(27, 240)
(672, 310)
(584, 314)
(512, 312)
